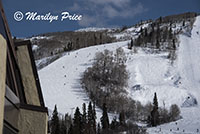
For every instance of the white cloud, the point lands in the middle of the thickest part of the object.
(87, 21)
(139, 9)
(75, 7)
(99, 12)
(117, 3)
(110, 12)
(128, 12)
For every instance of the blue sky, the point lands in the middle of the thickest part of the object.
(95, 13)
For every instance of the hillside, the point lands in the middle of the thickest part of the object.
(176, 81)
(187, 67)
(50, 46)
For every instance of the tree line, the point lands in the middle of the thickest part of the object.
(85, 123)
(159, 116)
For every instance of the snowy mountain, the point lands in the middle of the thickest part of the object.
(51, 46)
(150, 72)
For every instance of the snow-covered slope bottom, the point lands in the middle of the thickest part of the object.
(190, 124)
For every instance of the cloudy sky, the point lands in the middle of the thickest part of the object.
(95, 13)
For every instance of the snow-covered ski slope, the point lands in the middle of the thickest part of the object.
(149, 72)
(60, 80)
(189, 60)
(188, 69)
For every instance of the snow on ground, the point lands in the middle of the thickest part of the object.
(93, 29)
(150, 73)
(137, 29)
(39, 37)
(35, 47)
(174, 84)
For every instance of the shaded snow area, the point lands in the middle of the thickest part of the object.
(177, 83)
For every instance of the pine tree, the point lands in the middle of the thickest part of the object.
(130, 45)
(152, 26)
(95, 40)
(157, 44)
(77, 43)
(158, 35)
(155, 101)
(145, 32)
(141, 30)
(89, 115)
(101, 40)
(55, 126)
(63, 129)
(70, 129)
(183, 23)
(77, 122)
(160, 19)
(69, 46)
(104, 118)
(170, 34)
(84, 118)
(114, 124)
(90, 119)
(94, 117)
(122, 118)
(154, 112)
(98, 129)
(68, 121)
(173, 44)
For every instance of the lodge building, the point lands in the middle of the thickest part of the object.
(22, 108)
